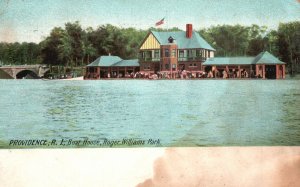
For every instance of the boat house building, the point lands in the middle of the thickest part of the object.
(184, 54)
(264, 65)
(173, 52)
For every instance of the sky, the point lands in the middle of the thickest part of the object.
(32, 20)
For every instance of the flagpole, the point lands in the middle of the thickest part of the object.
(167, 20)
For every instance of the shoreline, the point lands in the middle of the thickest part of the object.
(81, 78)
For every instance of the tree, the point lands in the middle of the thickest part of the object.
(257, 40)
(134, 40)
(272, 39)
(289, 44)
(227, 40)
(49, 47)
(65, 49)
(75, 34)
(88, 51)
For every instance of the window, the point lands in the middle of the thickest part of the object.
(173, 52)
(194, 53)
(156, 54)
(190, 53)
(198, 53)
(181, 53)
(195, 65)
(167, 53)
(148, 54)
(171, 39)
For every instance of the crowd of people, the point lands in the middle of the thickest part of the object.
(158, 75)
(183, 74)
(225, 73)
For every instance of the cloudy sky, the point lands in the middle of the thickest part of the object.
(32, 20)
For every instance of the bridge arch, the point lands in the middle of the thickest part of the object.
(27, 74)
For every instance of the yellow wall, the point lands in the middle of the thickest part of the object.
(150, 43)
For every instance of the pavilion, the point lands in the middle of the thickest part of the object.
(111, 67)
(264, 65)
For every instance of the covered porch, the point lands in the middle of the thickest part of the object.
(230, 71)
(112, 67)
(264, 65)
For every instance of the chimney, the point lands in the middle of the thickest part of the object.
(189, 30)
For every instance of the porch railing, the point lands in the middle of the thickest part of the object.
(181, 59)
(149, 59)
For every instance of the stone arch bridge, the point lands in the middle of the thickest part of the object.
(25, 71)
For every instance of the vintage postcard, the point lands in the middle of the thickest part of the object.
(180, 87)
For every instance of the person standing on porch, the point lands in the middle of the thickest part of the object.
(224, 74)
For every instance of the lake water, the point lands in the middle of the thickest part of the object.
(177, 112)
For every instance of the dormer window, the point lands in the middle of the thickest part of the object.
(171, 39)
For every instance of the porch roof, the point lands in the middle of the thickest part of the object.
(113, 61)
(263, 58)
(105, 61)
(131, 63)
(229, 61)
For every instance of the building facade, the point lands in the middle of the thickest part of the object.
(173, 52)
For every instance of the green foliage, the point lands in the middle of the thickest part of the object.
(289, 43)
(20, 53)
(49, 47)
(235, 40)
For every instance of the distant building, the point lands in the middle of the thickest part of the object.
(264, 65)
(174, 51)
